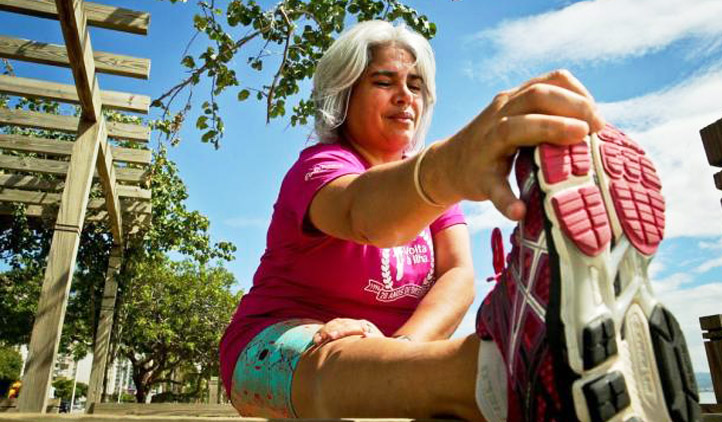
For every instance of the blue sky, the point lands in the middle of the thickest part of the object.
(654, 66)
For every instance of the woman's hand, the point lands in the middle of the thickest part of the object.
(554, 108)
(344, 327)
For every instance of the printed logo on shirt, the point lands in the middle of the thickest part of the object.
(321, 168)
(393, 287)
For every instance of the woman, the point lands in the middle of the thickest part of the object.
(368, 270)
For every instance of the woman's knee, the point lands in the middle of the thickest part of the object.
(316, 378)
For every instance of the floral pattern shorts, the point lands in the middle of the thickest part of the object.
(262, 378)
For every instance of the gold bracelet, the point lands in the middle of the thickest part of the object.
(417, 181)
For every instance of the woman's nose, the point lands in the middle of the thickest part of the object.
(403, 95)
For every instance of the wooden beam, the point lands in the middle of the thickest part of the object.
(80, 55)
(712, 331)
(216, 410)
(17, 181)
(53, 199)
(38, 120)
(22, 182)
(56, 55)
(105, 327)
(58, 148)
(60, 168)
(134, 192)
(712, 141)
(710, 408)
(36, 211)
(133, 222)
(45, 337)
(25, 417)
(107, 171)
(33, 88)
(99, 15)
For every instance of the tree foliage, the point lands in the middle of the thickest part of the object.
(283, 42)
(10, 365)
(64, 389)
(24, 245)
(172, 316)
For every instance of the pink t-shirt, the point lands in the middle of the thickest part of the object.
(307, 274)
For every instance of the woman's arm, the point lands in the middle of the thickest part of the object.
(440, 312)
(381, 207)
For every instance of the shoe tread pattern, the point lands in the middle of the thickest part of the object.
(606, 396)
(583, 218)
(560, 162)
(674, 366)
(635, 190)
(599, 342)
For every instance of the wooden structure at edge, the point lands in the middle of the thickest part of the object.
(712, 141)
(120, 170)
(712, 333)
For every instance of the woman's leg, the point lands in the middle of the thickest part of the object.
(383, 377)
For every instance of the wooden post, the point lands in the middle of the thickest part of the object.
(45, 337)
(213, 391)
(105, 327)
(712, 141)
(712, 333)
(74, 24)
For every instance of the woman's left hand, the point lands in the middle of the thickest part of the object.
(344, 327)
(475, 163)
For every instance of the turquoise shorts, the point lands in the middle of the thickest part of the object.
(261, 384)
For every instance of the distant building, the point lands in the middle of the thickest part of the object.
(120, 377)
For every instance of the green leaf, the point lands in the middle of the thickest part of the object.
(243, 95)
(201, 123)
(188, 62)
(208, 136)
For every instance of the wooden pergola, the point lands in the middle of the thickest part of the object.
(64, 195)
(712, 324)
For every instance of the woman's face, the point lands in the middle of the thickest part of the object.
(386, 104)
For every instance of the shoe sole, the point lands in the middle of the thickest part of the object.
(619, 354)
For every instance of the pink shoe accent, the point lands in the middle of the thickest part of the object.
(583, 219)
(635, 189)
(567, 365)
(558, 163)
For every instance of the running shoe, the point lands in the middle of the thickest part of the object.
(573, 313)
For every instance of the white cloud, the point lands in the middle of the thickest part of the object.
(716, 244)
(698, 95)
(247, 222)
(708, 265)
(671, 283)
(602, 30)
(484, 216)
(667, 123)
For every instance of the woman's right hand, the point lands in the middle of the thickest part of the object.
(554, 108)
(344, 327)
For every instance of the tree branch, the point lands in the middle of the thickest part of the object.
(198, 72)
(272, 88)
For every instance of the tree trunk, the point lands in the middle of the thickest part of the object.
(141, 379)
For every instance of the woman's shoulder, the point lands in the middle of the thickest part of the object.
(337, 149)
(327, 157)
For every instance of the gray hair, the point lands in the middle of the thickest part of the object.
(346, 60)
